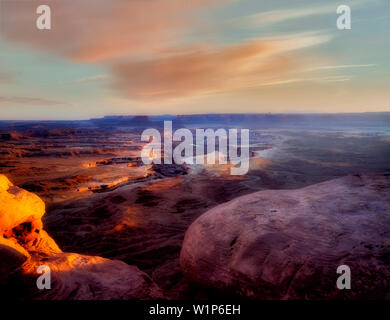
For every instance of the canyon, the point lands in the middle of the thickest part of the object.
(106, 210)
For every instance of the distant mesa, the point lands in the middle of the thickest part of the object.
(249, 120)
(140, 120)
(285, 120)
(124, 121)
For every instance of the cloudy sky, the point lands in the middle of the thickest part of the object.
(106, 57)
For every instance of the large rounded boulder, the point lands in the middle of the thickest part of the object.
(288, 244)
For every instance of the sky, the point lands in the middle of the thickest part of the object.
(120, 57)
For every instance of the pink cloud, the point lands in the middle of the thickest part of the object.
(212, 69)
(30, 101)
(207, 69)
(93, 30)
(139, 42)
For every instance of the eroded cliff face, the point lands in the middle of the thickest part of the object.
(288, 244)
(25, 245)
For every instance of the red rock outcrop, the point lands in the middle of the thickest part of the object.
(24, 246)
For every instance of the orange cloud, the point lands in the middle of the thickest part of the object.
(211, 69)
(92, 30)
(30, 101)
(139, 40)
(197, 71)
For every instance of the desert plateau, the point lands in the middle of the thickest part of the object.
(76, 196)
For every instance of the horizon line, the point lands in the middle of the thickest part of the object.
(197, 114)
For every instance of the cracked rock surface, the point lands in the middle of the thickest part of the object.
(287, 244)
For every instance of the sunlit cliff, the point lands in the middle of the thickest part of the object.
(25, 245)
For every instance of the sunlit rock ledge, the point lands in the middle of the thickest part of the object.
(24, 246)
(288, 244)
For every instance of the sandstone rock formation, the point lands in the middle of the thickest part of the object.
(287, 244)
(81, 277)
(24, 246)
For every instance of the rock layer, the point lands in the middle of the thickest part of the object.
(288, 244)
(24, 246)
(81, 277)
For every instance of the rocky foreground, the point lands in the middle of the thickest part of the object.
(281, 244)
(275, 244)
(24, 246)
